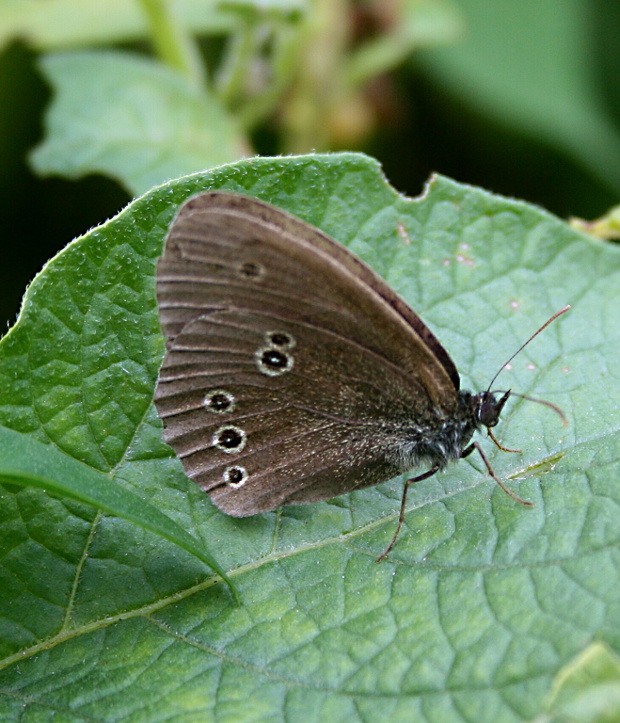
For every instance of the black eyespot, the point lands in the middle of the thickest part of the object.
(229, 439)
(251, 270)
(273, 362)
(235, 476)
(280, 339)
(219, 401)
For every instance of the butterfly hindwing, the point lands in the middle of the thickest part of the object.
(300, 429)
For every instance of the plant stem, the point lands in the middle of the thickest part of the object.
(172, 43)
(283, 64)
(231, 75)
(319, 79)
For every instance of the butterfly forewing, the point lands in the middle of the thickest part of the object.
(225, 250)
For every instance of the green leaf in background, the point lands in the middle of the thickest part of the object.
(132, 119)
(59, 24)
(481, 603)
(587, 690)
(530, 65)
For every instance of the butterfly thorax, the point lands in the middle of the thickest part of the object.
(449, 438)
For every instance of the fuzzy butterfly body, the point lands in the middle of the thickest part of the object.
(293, 373)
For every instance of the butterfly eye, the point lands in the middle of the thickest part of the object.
(219, 401)
(229, 439)
(235, 476)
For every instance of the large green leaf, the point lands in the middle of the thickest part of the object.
(482, 601)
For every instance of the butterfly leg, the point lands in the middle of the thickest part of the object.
(499, 445)
(487, 464)
(403, 503)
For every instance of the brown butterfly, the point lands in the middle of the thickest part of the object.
(293, 373)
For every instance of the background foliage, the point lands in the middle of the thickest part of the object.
(521, 97)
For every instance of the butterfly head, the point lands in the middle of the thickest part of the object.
(488, 408)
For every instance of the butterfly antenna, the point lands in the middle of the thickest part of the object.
(520, 349)
(544, 402)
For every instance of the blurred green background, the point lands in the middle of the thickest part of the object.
(521, 97)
